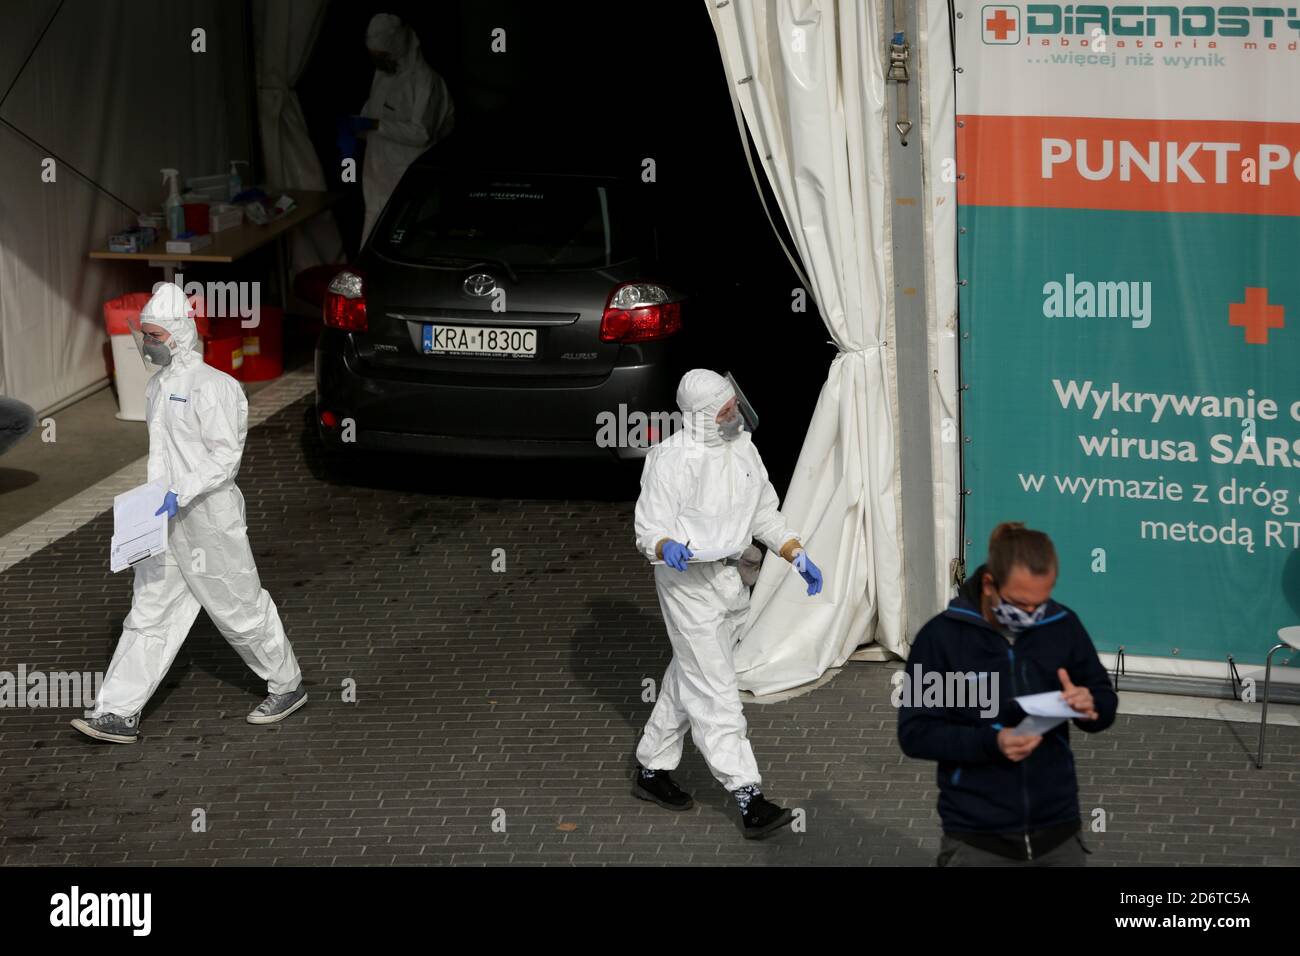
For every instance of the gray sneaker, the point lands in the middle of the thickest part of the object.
(276, 707)
(110, 728)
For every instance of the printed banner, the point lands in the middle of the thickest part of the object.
(1129, 244)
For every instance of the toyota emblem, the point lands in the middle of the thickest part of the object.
(479, 284)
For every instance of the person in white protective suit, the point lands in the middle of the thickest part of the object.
(408, 111)
(704, 489)
(197, 418)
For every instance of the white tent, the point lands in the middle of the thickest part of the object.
(98, 96)
(285, 34)
(808, 76)
(95, 97)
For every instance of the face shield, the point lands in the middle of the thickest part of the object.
(153, 341)
(742, 405)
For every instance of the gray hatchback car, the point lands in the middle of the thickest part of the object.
(502, 311)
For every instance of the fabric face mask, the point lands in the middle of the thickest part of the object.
(1016, 620)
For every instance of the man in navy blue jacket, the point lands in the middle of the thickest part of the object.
(1005, 798)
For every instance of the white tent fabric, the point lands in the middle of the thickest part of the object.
(809, 80)
(285, 34)
(107, 88)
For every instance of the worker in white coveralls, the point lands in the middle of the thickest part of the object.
(704, 489)
(408, 111)
(197, 418)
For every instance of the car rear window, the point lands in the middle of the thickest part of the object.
(528, 223)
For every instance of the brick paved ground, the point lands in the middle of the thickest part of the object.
(517, 692)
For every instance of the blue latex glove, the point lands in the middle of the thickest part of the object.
(346, 140)
(168, 505)
(362, 124)
(809, 572)
(675, 555)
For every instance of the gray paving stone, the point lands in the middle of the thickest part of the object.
(518, 692)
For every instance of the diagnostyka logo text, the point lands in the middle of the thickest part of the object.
(1165, 21)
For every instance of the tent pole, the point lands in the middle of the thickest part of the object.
(909, 337)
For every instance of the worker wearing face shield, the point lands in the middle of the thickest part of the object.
(408, 111)
(705, 489)
(197, 419)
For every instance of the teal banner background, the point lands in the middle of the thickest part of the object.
(1156, 596)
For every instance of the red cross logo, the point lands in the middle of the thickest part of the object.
(1255, 315)
(1001, 24)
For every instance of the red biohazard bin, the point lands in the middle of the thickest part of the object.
(223, 345)
(264, 346)
(119, 312)
(225, 353)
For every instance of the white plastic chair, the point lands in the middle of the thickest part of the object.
(1287, 637)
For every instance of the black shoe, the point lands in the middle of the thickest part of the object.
(762, 818)
(660, 789)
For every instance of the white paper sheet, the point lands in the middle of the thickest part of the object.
(1049, 704)
(138, 533)
(1034, 725)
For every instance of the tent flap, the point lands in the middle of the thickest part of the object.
(809, 79)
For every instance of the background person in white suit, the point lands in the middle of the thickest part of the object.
(408, 111)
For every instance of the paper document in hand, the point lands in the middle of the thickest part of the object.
(138, 533)
(1033, 726)
(700, 555)
(1050, 704)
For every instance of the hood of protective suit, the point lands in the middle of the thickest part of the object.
(388, 34)
(701, 395)
(171, 310)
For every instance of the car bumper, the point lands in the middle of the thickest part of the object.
(487, 421)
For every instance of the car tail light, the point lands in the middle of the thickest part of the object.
(345, 303)
(640, 312)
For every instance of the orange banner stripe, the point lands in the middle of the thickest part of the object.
(1069, 162)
